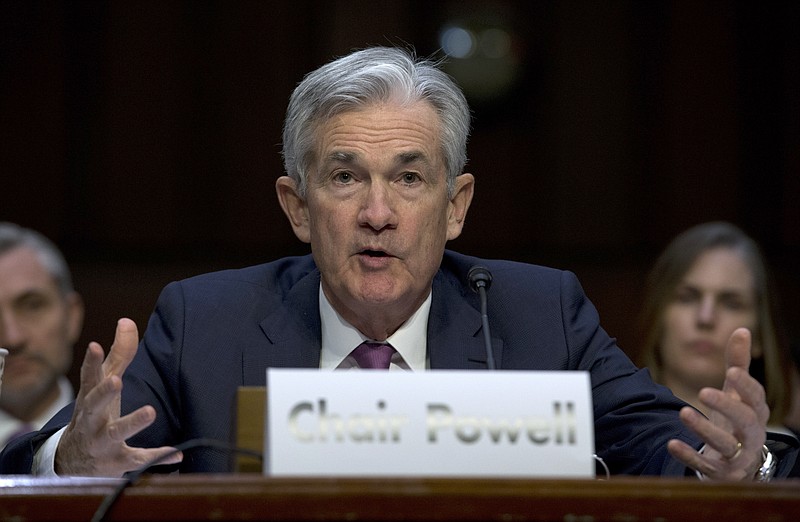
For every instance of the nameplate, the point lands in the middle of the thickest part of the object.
(435, 423)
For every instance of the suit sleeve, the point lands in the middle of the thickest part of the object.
(17, 456)
(153, 377)
(634, 417)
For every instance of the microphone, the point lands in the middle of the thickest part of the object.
(480, 279)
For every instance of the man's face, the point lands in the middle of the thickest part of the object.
(377, 212)
(38, 326)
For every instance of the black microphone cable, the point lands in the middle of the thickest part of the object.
(132, 477)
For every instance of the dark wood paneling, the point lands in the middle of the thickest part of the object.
(144, 137)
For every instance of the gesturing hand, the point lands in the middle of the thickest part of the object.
(94, 442)
(735, 431)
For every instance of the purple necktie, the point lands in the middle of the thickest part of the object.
(373, 355)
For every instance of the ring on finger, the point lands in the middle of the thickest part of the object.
(737, 452)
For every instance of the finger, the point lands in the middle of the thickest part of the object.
(91, 370)
(742, 430)
(724, 457)
(91, 413)
(141, 457)
(743, 403)
(750, 392)
(737, 352)
(126, 340)
(133, 459)
(688, 456)
(714, 468)
(99, 398)
(743, 408)
(716, 438)
(131, 424)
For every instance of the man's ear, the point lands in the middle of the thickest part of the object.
(459, 204)
(294, 207)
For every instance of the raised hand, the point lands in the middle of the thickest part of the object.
(735, 431)
(94, 442)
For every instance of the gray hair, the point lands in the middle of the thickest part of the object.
(368, 76)
(14, 236)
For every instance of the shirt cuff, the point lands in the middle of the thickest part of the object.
(44, 460)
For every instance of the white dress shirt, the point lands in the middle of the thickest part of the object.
(339, 338)
(10, 424)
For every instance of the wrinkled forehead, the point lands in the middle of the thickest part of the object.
(411, 130)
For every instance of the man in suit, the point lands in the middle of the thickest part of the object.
(41, 316)
(374, 148)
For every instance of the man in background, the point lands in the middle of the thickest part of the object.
(41, 317)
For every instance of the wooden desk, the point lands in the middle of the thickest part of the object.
(254, 497)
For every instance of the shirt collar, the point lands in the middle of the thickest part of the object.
(339, 337)
(9, 424)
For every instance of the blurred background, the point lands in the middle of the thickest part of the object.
(143, 137)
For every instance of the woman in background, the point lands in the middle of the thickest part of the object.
(710, 280)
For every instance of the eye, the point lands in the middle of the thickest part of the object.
(343, 177)
(734, 302)
(686, 295)
(32, 304)
(409, 178)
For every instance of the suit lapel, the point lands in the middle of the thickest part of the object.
(454, 329)
(292, 333)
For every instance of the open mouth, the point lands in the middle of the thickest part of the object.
(374, 253)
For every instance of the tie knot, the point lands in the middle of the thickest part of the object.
(373, 355)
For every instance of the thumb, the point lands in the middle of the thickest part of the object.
(737, 352)
(126, 340)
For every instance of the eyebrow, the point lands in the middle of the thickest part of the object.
(404, 158)
(726, 291)
(737, 292)
(30, 293)
(341, 157)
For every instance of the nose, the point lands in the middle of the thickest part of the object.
(706, 313)
(377, 210)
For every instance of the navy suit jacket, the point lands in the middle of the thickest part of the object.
(212, 333)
